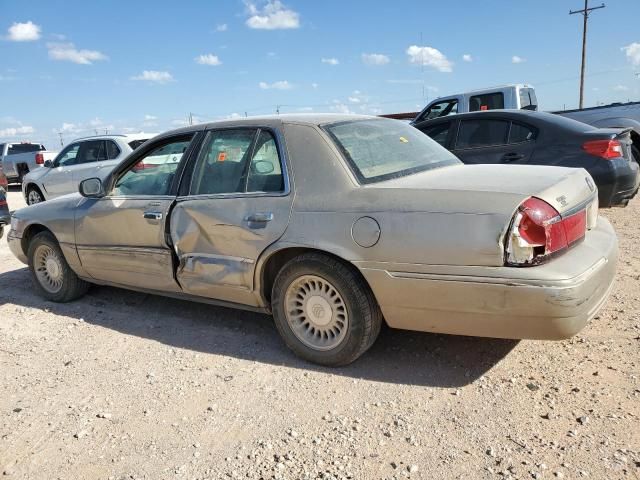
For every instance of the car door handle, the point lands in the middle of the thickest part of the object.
(152, 215)
(512, 157)
(259, 219)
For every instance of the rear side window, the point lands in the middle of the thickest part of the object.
(521, 133)
(441, 109)
(222, 162)
(112, 150)
(24, 148)
(482, 133)
(91, 151)
(439, 133)
(136, 143)
(489, 101)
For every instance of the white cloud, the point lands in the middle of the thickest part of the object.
(354, 99)
(222, 27)
(375, 59)
(24, 32)
(517, 59)
(272, 16)
(67, 52)
(208, 59)
(150, 117)
(154, 76)
(305, 109)
(330, 61)
(69, 128)
(467, 57)
(632, 51)
(279, 85)
(314, 85)
(17, 131)
(621, 88)
(96, 122)
(341, 108)
(429, 57)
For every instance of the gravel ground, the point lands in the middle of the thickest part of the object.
(125, 385)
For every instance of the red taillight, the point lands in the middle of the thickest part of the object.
(143, 166)
(606, 149)
(3, 181)
(3, 203)
(538, 231)
(39, 158)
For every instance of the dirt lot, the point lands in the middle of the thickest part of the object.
(125, 385)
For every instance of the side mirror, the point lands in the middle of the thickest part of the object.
(48, 164)
(91, 188)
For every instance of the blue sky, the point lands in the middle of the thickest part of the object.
(79, 66)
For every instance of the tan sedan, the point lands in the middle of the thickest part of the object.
(333, 224)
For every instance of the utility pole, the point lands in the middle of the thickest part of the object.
(61, 141)
(585, 14)
(190, 118)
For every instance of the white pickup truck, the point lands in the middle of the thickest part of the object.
(18, 159)
(523, 97)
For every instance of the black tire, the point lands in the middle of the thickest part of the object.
(33, 190)
(636, 153)
(72, 287)
(364, 315)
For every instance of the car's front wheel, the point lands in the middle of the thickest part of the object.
(324, 310)
(52, 276)
(34, 195)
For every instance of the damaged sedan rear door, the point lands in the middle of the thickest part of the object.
(234, 202)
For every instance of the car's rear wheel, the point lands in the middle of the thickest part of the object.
(34, 195)
(52, 276)
(324, 310)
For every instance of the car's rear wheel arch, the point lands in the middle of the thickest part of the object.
(278, 259)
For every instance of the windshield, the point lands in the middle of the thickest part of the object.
(381, 149)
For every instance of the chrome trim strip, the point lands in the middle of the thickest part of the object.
(140, 250)
(213, 256)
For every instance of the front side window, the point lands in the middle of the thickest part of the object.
(67, 156)
(489, 101)
(439, 132)
(381, 149)
(482, 133)
(153, 174)
(528, 99)
(441, 109)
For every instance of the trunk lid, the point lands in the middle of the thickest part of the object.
(494, 189)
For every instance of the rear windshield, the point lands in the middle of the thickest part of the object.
(136, 143)
(381, 149)
(24, 148)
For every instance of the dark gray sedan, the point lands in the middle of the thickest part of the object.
(538, 138)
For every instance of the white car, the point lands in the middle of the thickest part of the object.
(81, 159)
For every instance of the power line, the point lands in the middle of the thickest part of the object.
(585, 14)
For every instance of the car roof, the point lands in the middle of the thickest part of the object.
(274, 121)
(533, 117)
(124, 136)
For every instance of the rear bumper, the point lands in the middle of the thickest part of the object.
(551, 301)
(619, 184)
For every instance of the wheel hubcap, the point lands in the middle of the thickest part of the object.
(316, 312)
(34, 197)
(48, 268)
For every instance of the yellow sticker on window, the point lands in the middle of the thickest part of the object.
(404, 140)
